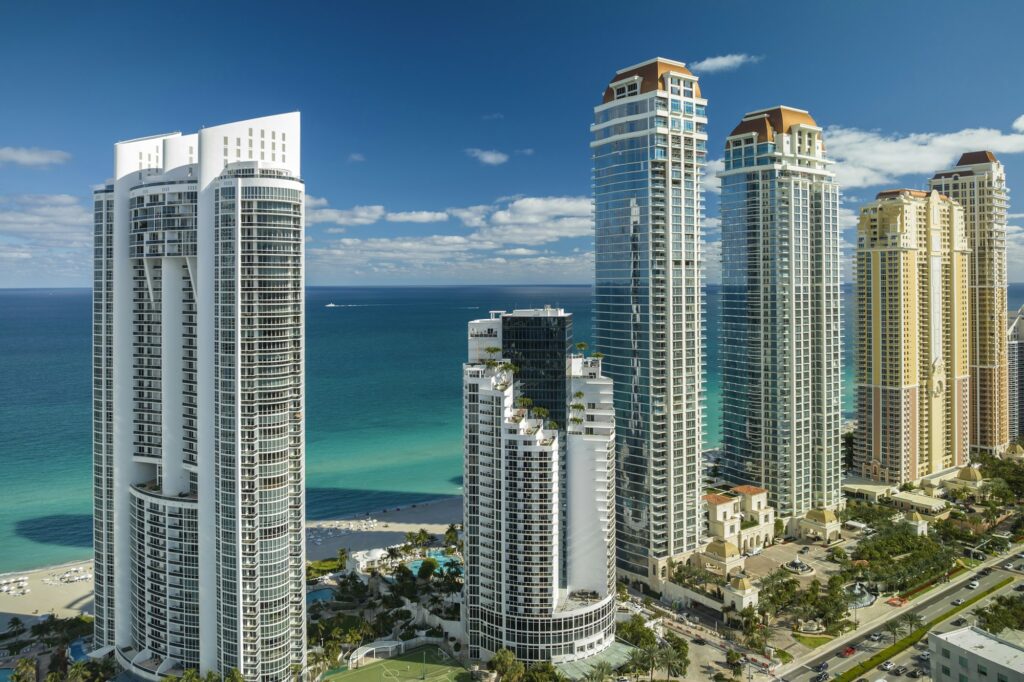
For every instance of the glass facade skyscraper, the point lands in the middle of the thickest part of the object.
(780, 343)
(649, 151)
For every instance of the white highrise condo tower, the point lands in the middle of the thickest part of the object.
(539, 510)
(198, 387)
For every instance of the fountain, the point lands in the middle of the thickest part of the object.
(861, 597)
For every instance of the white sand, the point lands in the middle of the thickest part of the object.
(390, 527)
(71, 599)
(61, 599)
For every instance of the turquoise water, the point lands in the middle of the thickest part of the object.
(326, 594)
(5, 674)
(383, 413)
(442, 562)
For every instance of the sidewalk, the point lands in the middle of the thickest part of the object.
(894, 612)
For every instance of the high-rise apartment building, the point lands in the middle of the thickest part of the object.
(1015, 375)
(781, 335)
(649, 151)
(978, 184)
(538, 495)
(198, 386)
(912, 337)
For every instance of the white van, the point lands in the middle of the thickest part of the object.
(754, 552)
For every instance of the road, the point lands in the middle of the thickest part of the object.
(929, 607)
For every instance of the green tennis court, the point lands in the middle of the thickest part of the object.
(426, 664)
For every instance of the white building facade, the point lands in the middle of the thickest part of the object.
(527, 588)
(781, 332)
(971, 654)
(199, 490)
(649, 151)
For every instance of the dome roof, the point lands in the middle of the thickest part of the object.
(742, 583)
(721, 548)
(823, 516)
(969, 473)
(914, 516)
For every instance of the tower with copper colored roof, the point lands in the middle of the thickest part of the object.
(781, 330)
(649, 151)
(978, 184)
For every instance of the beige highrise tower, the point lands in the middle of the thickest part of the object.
(978, 184)
(912, 336)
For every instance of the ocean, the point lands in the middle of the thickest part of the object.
(383, 401)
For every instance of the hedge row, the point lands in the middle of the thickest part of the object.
(916, 635)
(927, 585)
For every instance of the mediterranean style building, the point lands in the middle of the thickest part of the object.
(978, 184)
(539, 496)
(649, 150)
(198, 385)
(912, 337)
(1015, 375)
(781, 332)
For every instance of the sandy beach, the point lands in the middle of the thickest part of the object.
(48, 595)
(381, 529)
(51, 596)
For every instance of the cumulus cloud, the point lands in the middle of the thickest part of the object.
(725, 62)
(472, 216)
(1018, 124)
(868, 158)
(45, 235)
(315, 202)
(416, 216)
(488, 157)
(32, 156)
(711, 181)
(357, 215)
(356, 157)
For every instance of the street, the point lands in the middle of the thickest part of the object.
(929, 607)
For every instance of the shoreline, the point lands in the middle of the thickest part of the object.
(366, 530)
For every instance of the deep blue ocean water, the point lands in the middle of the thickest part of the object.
(383, 401)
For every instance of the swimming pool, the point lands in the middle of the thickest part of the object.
(77, 650)
(443, 560)
(324, 594)
(5, 674)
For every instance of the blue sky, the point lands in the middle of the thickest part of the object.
(448, 142)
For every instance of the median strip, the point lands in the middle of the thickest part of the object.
(916, 635)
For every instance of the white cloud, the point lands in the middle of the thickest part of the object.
(417, 217)
(32, 156)
(712, 227)
(315, 202)
(538, 220)
(357, 215)
(488, 157)
(1018, 124)
(519, 252)
(472, 216)
(356, 157)
(711, 182)
(45, 236)
(867, 158)
(1015, 253)
(712, 256)
(725, 62)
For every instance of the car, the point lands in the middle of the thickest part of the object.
(887, 666)
(915, 673)
(699, 641)
(848, 651)
(1008, 566)
(821, 667)
(1019, 588)
(821, 677)
(805, 550)
(900, 669)
(959, 621)
(986, 571)
(875, 636)
(973, 585)
(958, 602)
(924, 655)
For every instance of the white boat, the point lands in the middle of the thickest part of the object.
(331, 305)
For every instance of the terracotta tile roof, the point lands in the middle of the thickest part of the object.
(651, 74)
(748, 490)
(715, 498)
(971, 158)
(767, 122)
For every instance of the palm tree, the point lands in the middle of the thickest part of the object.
(191, 675)
(451, 535)
(672, 662)
(599, 672)
(650, 659)
(234, 676)
(912, 621)
(211, 676)
(342, 558)
(53, 677)
(78, 672)
(15, 624)
(24, 670)
(894, 628)
(635, 663)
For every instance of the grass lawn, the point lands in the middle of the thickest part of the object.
(406, 668)
(783, 655)
(811, 641)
